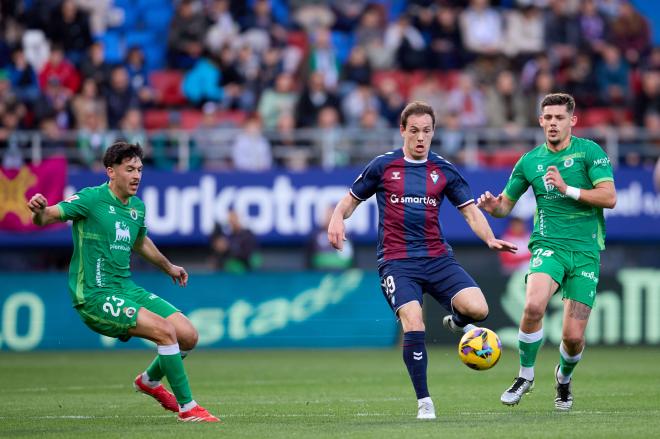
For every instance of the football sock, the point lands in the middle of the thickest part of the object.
(155, 372)
(187, 406)
(414, 355)
(172, 365)
(528, 345)
(566, 364)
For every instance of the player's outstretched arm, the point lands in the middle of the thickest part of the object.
(479, 225)
(336, 228)
(146, 248)
(499, 206)
(602, 195)
(42, 213)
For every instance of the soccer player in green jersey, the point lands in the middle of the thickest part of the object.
(572, 181)
(108, 224)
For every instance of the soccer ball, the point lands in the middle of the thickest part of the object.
(480, 349)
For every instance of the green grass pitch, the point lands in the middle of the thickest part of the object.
(327, 394)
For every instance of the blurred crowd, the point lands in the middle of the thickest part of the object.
(269, 68)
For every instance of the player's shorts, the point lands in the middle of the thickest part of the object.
(406, 280)
(576, 272)
(115, 312)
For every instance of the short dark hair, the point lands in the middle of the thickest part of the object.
(559, 99)
(119, 151)
(417, 108)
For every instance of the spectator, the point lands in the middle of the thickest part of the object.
(429, 91)
(119, 96)
(312, 14)
(391, 102)
(278, 100)
(314, 97)
(356, 70)
(648, 99)
(631, 33)
(223, 27)
(89, 101)
(656, 176)
(289, 151)
(544, 84)
(69, 27)
(357, 102)
(330, 142)
(405, 43)
(55, 103)
(138, 75)
(370, 34)
(581, 81)
(52, 141)
(612, 77)
(251, 150)
(202, 83)
(92, 140)
(481, 28)
(22, 77)
(517, 233)
(94, 65)
(321, 255)
(236, 250)
(562, 34)
(323, 58)
(593, 27)
(505, 104)
(185, 40)
(131, 128)
(61, 69)
(36, 48)
(452, 137)
(446, 47)
(524, 33)
(467, 101)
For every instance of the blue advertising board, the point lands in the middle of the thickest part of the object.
(229, 311)
(283, 208)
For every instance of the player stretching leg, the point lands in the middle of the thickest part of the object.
(413, 255)
(108, 224)
(572, 182)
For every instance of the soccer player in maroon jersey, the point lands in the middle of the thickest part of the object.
(413, 256)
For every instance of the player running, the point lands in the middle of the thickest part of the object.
(413, 255)
(572, 182)
(108, 224)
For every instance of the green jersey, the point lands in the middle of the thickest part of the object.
(559, 220)
(104, 231)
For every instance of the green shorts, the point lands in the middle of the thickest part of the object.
(576, 272)
(115, 312)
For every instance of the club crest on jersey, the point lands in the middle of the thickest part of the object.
(568, 162)
(122, 232)
(396, 175)
(133, 213)
(434, 176)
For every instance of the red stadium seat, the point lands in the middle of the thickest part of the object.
(230, 118)
(190, 119)
(167, 84)
(595, 117)
(156, 119)
(400, 77)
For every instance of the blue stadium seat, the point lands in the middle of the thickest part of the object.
(343, 44)
(139, 38)
(154, 56)
(131, 14)
(158, 19)
(114, 46)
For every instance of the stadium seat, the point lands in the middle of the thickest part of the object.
(139, 38)
(504, 158)
(298, 39)
(595, 116)
(343, 44)
(400, 77)
(114, 46)
(167, 83)
(230, 119)
(158, 20)
(156, 119)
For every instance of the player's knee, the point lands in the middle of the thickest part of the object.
(412, 323)
(188, 341)
(479, 312)
(573, 342)
(164, 333)
(533, 311)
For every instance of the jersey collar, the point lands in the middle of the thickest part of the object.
(545, 144)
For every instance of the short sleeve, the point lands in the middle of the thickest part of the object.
(77, 205)
(518, 183)
(598, 164)
(457, 190)
(367, 182)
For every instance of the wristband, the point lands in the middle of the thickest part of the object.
(573, 192)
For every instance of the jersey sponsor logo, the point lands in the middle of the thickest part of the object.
(548, 186)
(72, 198)
(602, 161)
(589, 275)
(122, 232)
(539, 168)
(133, 213)
(568, 162)
(396, 175)
(99, 272)
(409, 199)
(111, 209)
(434, 176)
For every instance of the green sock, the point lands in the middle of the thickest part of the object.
(528, 345)
(567, 362)
(172, 365)
(155, 372)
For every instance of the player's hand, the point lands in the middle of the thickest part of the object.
(336, 233)
(178, 274)
(37, 203)
(502, 246)
(553, 177)
(489, 202)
